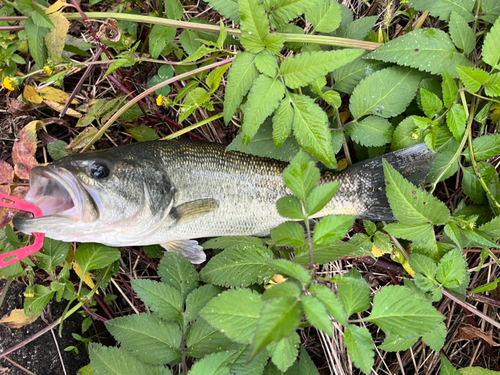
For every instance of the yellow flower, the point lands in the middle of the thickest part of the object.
(159, 100)
(9, 83)
(48, 70)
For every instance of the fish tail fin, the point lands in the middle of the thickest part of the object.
(413, 163)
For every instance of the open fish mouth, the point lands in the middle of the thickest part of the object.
(59, 195)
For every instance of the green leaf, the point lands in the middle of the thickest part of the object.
(286, 10)
(215, 76)
(194, 99)
(310, 125)
(348, 76)
(291, 269)
(290, 207)
(240, 367)
(202, 339)
(150, 338)
(326, 254)
(455, 119)
(266, 64)
(443, 8)
(173, 9)
(429, 50)
(235, 313)
(411, 205)
(316, 314)
(385, 93)
(143, 133)
(91, 256)
(413, 232)
(214, 364)
(230, 241)
(330, 300)
(395, 343)
(112, 360)
(286, 289)
(486, 287)
(424, 265)
(254, 25)
(357, 29)
(441, 162)
(304, 68)
(238, 266)
(492, 85)
(331, 229)
(431, 104)
(179, 273)
(35, 35)
(274, 43)
(450, 90)
(485, 147)
(435, 338)
(477, 236)
(164, 300)
(461, 34)
(228, 8)
(40, 18)
(473, 79)
(198, 299)
(265, 96)
(371, 131)
(406, 134)
(279, 318)
(325, 17)
(447, 368)
(320, 196)
(492, 228)
(189, 41)
(34, 305)
(284, 352)
(360, 347)
(288, 234)
(301, 176)
(52, 254)
(353, 292)
(490, 10)
(490, 52)
(159, 37)
(396, 311)
(452, 231)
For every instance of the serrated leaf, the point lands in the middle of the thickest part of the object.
(320, 196)
(214, 364)
(492, 228)
(431, 104)
(429, 50)
(461, 34)
(330, 301)
(424, 265)
(173, 9)
(316, 314)
(331, 253)
(353, 292)
(266, 64)
(452, 231)
(492, 85)
(35, 35)
(357, 29)
(490, 52)
(235, 313)
(239, 80)
(52, 254)
(406, 134)
(228, 8)
(304, 68)
(360, 347)
(310, 125)
(485, 147)
(305, 366)
(254, 25)
(395, 343)
(473, 79)
(159, 37)
(189, 42)
(301, 176)
(455, 119)
(178, 272)
(202, 339)
(412, 232)
(284, 352)
(150, 338)
(265, 95)
(279, 318)
(215, 76)
(91, 256)
(411, 205)
(290, 207)
(286, 10)
(348, 76)
(198, 299)
(372, 131)
(274, 43)
(385, 93)
(238, 266)
(282, 121)
(331, 229)
(288, 234)
(450, 90)
(230, 241)
(443, 8)
(56, 37)
(286, 289)
(34, 305)
(397, 311)
(164, 300)
(325, 17)
(435, 338)
(447, 368)
(286, 267)
(442, 161)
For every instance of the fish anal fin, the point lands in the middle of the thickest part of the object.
(188, 249)
(189, 211)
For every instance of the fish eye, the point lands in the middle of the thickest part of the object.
(99, 171)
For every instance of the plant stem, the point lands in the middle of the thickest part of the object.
(192, 127)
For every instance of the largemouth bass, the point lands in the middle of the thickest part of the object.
(173, 192)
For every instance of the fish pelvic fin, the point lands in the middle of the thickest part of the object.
(189, 211)
(188, 249)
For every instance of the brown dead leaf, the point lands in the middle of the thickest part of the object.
(17, 319)
(56, 37)
(31, 95)
(59, 107)
(17, 107)
(24, 149)
(56, 95)
(470, 333)
(110, 30)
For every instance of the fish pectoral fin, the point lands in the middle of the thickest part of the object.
(188, 249)
(190, 211)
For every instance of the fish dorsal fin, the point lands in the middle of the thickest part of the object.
(189, 211)
(188, 249)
